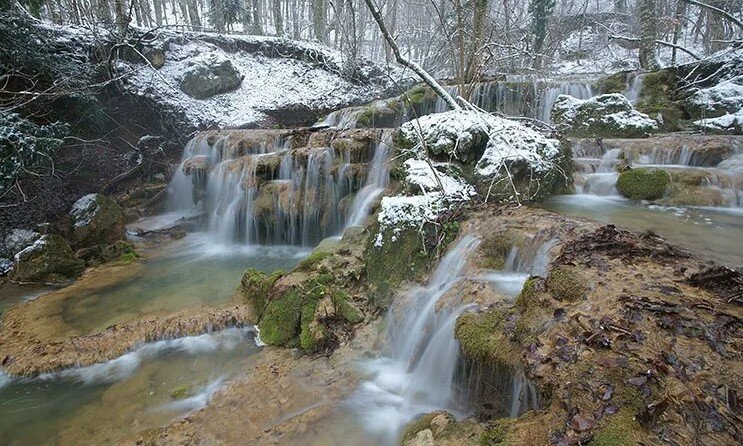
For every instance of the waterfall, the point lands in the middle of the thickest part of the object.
(377, 180)
(634, 87)
(256, 187)
(417, 375)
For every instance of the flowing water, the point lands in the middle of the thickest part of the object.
(143, 389)
(712, 232)
(191, 272)
(256, 188)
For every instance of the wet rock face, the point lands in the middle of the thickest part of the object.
(96, 219)
(209, 77)
(605, 116)
(48, 259)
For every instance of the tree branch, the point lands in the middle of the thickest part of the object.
(427, 78)
(717, 10)
(658, 42)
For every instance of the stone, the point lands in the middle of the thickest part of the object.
(210, 76)
(604, 116)
(643, 184)
(18, 239)
(48, 259)
(96, 219)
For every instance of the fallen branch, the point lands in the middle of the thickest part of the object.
(427, 78)
(658, 42)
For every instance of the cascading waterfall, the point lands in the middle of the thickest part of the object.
(634, 87)
(418, 373)
(377, 180)
(256, 188)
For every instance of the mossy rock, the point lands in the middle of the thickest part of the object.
(96, 219)
(528, 294)
(643, 184)
(620, 430)
(615, 83)
(50, 259)
(307, 315)
(482, 338)
(495, 248)
(566, 282)
(255, 288)
(121, 252)
(658, 97)
(684, 194)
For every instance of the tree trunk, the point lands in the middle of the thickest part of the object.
(318, 20)
(257, 17)
(296, 5)
(648, 32)
(157, 7)
(678, 26)
(278, 20)
(104, 11)
(122, 18)
(193, 14)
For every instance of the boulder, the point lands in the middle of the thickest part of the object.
(643, 184)
(96, 219)
(18, 239)
(6, 266)
(48, 259)
(210, 76)
(604, 116)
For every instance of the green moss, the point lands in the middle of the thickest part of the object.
(124, 251)
(52, 262)
(566, 282)
(481, 337)
(496, 433)
(615, 83)
(657, 97)
(182, 392)
(621, 430)
(527, 294)
(346, 311)
(314, 258)
(643, 184)
(280, 321)
(255, 288)
(495, 249)
(416, 95)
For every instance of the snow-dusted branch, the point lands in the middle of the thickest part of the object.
(659, 42)
(427, 78)
(717, 10)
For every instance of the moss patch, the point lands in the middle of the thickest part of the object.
(657, 98)
(614, 83)
(481, 337)
(527, 295)
(314, 258)
(621, 430)
(183, 392)
(643, 184)
(255, 287)
(567, 283)
(495, 249)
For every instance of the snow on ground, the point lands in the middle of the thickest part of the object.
(269, 83)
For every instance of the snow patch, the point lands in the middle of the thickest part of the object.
(6, 266)
(37, 246)
(84, 210)
(18, 239)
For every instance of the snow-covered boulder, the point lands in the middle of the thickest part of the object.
(48, 259)
(458, 134)
(96, 219)
(452, 156)
(210, 75)
(604, 116)
(728, 123)
(18, 239)
(719, 100)
(6, 266)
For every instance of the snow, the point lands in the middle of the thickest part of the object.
(438, 185)
(6, 266)
(727, 94)
(269, 83)
(726, 122)
(420, 173)
(630, 119)
(35, 247)
(84, 210)
(613, 109)
(17, 239)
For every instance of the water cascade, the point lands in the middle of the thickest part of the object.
(417, 374)
(276, 188)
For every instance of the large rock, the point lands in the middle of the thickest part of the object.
(48, 259)
(605, 116)
(96, 219)
(18, 239)
(210, 76)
